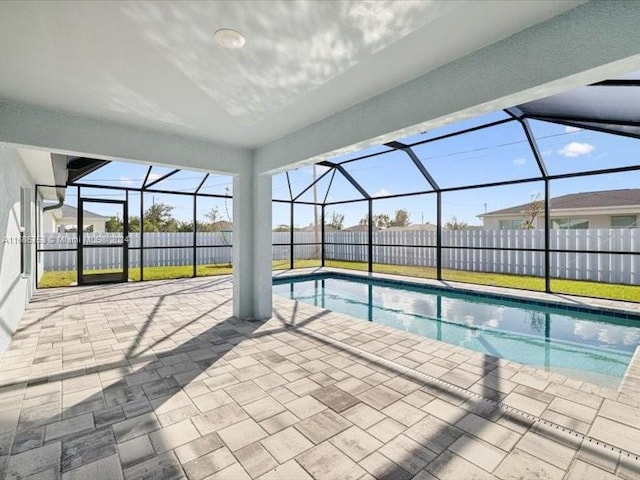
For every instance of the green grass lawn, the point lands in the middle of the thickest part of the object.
(629, 293)
(67, 278)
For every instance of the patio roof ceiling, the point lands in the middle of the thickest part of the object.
(156, 65)
(145, 81)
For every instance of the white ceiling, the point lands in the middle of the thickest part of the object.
(154, 65)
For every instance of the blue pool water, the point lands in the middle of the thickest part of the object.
(594, 347)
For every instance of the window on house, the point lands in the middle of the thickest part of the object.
(624, 221)
(511, 224)
(569, 223)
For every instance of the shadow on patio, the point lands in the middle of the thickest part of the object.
(197, 392)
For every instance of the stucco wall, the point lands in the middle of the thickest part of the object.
(98, 224)
(15, 288)
(48, 223)
(51, 224)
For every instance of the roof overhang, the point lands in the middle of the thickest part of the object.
(48, 169)
(617, 209)
(609, 106)
(571, 211)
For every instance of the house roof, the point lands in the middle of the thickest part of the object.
(604, 198)
(223, 225)
(358, 228)
(313, 228)
(67, 211)
(414, 227)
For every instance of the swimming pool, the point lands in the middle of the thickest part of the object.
(579, 343)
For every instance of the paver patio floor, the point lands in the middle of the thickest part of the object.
(157, 380)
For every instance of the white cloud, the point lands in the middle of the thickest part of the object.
(575, 149)
(547, 152)
(126, 182)
(383, 192)
(572, 129)
(519, 161)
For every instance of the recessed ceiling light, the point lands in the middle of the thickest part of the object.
(228, 38)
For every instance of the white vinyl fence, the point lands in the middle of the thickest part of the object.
(213, 248)
(400, 248)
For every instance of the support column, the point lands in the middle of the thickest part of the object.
(439, 236)
(252, 246)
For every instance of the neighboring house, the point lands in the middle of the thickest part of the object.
(603, 209)
(466, 228)
(222, 226)
(414, 227)
(313, 228)
(65, 219)
(358, 228)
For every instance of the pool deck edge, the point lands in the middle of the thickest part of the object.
(630, 384)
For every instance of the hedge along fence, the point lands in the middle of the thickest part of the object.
(470, 250)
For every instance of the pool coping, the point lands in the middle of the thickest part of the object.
(630, 383)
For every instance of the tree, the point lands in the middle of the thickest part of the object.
(150, 227)
(134, 224)
(282, 228)
(380, 220)
(454, 224)
(401, 219)
(158, 218)
(114, 224)
(213, 215)
(216, 222)
(337, 220)
(186, 227)
(216, 217)
(534, 209)
(171, 225)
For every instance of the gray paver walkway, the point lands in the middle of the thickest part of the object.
(157, 380)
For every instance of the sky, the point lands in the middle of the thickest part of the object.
(488, 155)
(123, 174)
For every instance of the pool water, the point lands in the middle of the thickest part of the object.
(588, 346)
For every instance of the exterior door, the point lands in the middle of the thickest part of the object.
(102, 256)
